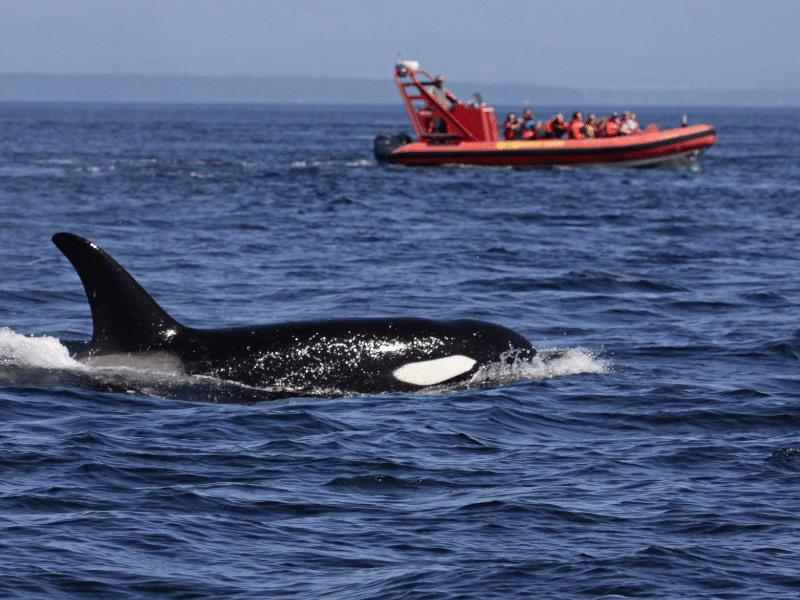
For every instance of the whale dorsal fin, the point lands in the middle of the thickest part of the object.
(125, 317)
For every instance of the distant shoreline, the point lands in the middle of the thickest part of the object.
(40, 87)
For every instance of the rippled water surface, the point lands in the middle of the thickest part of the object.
(656, 455)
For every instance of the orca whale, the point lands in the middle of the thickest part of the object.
(327, 358)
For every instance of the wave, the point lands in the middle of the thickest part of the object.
(301, 164)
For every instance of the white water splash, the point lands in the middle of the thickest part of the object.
(301, 164)
(547, 364)
(42, 352)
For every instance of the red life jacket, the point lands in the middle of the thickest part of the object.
(508, 130)
(553, 129)
(612, 129)
(575, 130)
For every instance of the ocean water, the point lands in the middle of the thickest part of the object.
(656, 455)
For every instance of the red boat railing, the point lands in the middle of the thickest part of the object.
(433, 120)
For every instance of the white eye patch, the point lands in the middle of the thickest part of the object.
(431, 372)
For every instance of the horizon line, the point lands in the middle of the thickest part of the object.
(577, 88)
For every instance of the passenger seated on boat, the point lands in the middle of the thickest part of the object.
(555, 127)
(612, 126)
(510, 126)
(441, 93)
(528, 129)
(600, 131)
(629, 126)
(576, 128)
(591, 126)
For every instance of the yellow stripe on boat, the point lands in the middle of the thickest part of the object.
(523, 144)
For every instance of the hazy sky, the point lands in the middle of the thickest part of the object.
(710, 44)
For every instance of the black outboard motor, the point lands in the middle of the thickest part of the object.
(386, 142)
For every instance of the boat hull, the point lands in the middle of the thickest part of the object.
(673, 147)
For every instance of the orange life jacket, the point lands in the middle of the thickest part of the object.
(553, 129)
(575, 130)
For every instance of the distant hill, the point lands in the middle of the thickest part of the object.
(340, 90)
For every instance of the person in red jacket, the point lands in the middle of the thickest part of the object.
(555, 127)
(510, 126)
(576, 128)
(612, 127)
(601, 127)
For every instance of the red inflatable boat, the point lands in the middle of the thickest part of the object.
(452, 133)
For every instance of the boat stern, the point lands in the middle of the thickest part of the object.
(386, 143)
